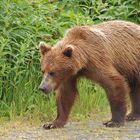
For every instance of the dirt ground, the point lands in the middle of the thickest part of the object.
(81, 130)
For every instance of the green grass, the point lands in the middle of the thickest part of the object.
(23, 24)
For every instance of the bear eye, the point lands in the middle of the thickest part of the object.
(51, 73)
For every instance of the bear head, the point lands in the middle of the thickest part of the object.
(58, 64)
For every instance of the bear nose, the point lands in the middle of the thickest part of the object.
(42, 88)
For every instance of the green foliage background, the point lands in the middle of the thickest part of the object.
(23, 24)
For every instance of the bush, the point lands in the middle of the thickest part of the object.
(22, 25)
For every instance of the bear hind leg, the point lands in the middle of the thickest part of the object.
(135, 102)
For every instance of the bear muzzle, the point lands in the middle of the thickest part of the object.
(46, 86)
(44, 89)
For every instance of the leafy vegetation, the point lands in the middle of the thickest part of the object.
(22, 25)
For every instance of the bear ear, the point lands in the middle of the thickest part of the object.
(68, 51)
(44, 48)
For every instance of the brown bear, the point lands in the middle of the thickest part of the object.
(107, 53)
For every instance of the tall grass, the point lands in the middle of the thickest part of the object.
(22, 25)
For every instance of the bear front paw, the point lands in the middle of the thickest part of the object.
(113, 124)
(49, 126)
(52, 126)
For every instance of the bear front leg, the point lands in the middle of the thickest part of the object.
(116, 88)
(66, 95)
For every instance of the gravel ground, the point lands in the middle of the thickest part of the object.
(87, 130)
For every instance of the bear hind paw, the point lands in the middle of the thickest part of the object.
(113, 124)
(133, 117)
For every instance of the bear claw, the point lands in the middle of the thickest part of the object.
(53, 125)
(133, 117)
(113, 124)
(49, 126)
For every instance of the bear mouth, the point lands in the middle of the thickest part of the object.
(48, 92)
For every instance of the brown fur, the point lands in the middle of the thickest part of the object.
(107, 53)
